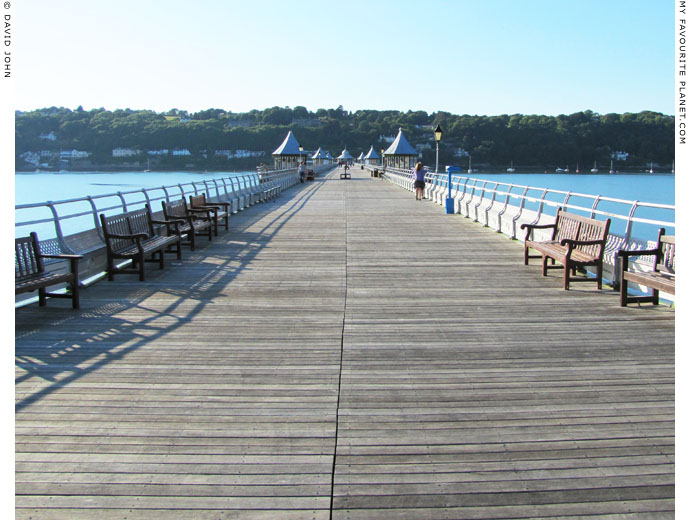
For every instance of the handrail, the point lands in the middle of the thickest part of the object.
(65, 213)
(505, 190)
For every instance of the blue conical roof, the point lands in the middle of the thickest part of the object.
(372, 154)
(290, 146)
(400, 146)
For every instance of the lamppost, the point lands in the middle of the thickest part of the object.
(438, 133)
(382, 150)
(450, 203)
(301, 148)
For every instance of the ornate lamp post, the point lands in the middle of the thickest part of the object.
(301, 148)
(438, 133)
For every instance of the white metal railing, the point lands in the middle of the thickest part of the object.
(64, 218)
(504, 207)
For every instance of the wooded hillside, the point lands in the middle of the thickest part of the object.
(529, 141)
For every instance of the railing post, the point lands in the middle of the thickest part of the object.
(58, 228)
(513, 230)
(594, 206)
(499, 217)
(124, 202)
(146, 196)
(629, 223)
(487, 210)
(94, 212)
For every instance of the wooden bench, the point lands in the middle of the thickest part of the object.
(30, 273)
(662, 277)
(192, 222)
(131, 236)
(221, 210)
(576, 242)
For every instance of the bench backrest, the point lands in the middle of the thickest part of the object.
(175, 208)
(130, 223)
(576, 227)
(27, 259)
(196, 201)
(666, 257)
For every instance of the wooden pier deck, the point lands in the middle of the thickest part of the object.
(345, 352)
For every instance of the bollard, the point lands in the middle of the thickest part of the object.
(450, 203)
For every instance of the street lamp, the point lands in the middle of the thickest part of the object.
(438, 133)
(301, 148)
(382, 150)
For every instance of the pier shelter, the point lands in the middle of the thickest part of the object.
(345, 155)
(400, 154)
(288, 154)
(372, 157)
(319, 157)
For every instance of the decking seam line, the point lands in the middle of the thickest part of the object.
(340, 367)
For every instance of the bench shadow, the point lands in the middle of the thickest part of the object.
(56, 345)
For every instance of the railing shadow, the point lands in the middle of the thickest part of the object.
(70, 344)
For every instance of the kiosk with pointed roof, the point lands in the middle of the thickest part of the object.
(345, 155)
(371, 157)
(288, 155)
(319, 157)
(400, 153)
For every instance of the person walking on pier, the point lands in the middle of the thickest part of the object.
(419, 173)
(302, 169)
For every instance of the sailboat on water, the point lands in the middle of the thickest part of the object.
(469, 168)
(511, 169)
(594, 170)
(611, 168)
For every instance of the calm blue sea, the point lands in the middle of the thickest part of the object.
(41, 187)
(658, 188)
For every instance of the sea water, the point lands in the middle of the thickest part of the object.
(44, 186)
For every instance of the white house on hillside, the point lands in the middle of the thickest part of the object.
(124, 152)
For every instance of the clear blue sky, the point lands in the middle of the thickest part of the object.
(460, 56)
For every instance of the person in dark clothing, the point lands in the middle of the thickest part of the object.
(419, 173)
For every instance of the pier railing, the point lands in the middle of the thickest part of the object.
(63, 220)
(504, 207)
